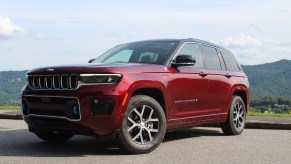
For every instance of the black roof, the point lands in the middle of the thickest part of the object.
(186, 40)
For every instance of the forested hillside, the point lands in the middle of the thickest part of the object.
(11, 83)
(270, 79)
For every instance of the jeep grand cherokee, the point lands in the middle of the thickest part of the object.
(135, 92)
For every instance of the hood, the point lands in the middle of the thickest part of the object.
(99, 68)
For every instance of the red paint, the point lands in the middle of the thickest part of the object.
(192, 96)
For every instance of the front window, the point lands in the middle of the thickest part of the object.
(152, 52)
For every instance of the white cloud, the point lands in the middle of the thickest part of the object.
(7, 29)
(244, 40)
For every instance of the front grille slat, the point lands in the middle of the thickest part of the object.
(53, 82)
(57, 81)
(65, 81)
(49, 81)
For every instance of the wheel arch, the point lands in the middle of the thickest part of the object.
(154, 90)
(243, 93)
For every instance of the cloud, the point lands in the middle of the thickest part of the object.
(244, 40)
(8, 30)
(247, 48)
(250, 50)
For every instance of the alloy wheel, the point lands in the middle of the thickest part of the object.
(238, 116)
(143, 124)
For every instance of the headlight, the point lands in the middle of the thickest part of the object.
(99, 78)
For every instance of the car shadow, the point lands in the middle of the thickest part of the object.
(24, 143)
(190, 133)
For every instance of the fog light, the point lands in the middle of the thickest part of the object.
(76, 110)
(101, 106)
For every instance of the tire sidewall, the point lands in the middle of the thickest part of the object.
(125, 137)
(236, 99)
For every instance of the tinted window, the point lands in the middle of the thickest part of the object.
(230, 62)
(211, 60)
(192, 49)
(154, 52)
(121, 56)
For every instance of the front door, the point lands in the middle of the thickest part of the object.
(190, 87)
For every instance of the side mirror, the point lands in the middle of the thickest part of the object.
(183, 60)
(91, 60)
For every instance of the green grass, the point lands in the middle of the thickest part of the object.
(254, 113)
(9, 107)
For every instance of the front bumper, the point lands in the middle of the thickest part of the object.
(48, 113)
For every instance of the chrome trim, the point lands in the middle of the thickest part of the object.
(56, 75)
(195, 42)
(35, 80)
(185, 101)
(174, 57)
(48, 116)
(81, 83)
(62, 86)
(55, 78)
(60, 81)
(70, 79)
(46, 77)
(119, 75)
(40, 81)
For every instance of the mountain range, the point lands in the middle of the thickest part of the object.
(270, 79)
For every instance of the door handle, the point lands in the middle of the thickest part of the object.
(227, 75)
(203, 74)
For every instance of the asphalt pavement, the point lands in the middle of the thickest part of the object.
(193, 145)
(252, 122)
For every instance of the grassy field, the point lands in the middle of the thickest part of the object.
(253, 113)
(10, 107)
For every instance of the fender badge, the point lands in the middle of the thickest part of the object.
(50, 69)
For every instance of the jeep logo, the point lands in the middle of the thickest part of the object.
(50, 69)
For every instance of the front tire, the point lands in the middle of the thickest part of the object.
(236, 119)
(143, 127)
(53, 136)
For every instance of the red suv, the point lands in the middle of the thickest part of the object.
(135, 92)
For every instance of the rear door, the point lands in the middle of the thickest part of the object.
(219, 85)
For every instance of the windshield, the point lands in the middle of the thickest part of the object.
(153, 52)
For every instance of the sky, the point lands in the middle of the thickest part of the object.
(37, 33)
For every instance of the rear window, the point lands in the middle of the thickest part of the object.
(211, 60)
(230, 62)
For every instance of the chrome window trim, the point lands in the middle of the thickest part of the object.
(174, 57)
(57, 117)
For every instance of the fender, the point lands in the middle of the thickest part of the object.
(240, 87)
(146, 84)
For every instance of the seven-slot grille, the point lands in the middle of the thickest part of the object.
(63, 81)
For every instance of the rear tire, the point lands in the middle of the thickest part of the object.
(53, 136)
(236, 118)
(143, 127)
